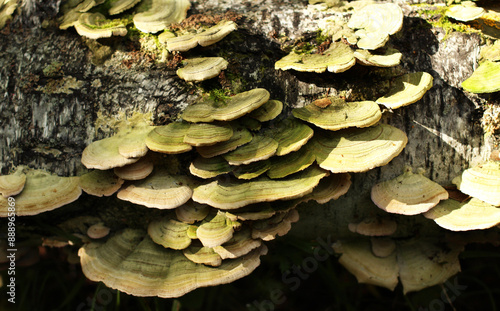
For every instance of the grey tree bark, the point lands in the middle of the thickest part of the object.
(49, 115)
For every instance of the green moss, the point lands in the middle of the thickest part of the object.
(219, 95)
(436, 16)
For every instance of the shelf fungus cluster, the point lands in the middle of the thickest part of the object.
(88, 19)
(416, 263)
(482, 211)
(241, 187)
(36, 191)
(368, 31)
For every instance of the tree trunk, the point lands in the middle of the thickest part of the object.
(61, 92)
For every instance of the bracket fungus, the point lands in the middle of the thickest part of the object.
(169, 233)
(291, 163)
(216, 229)
(135, 171)
(406, 90)
(7, 7)
(241, 136)
(260, 148)
(461, 216)
(97, 231)
(204, 38)
(95, 26)
(203, 255)
(482, 182)
(340, 114)
(125, 147)
(119, 6)
(209, 167)
(100, 183)
(359, 260)
(358, 150)
(201, 68)
(43, 192)
(192, 212)
(465, 12)
(375, 23)
(291, 135)
(161, 14)
(389, 58)
(417, 263)
(339, 57)
(277, 225)
(270, 110)
(485, 79)
(374, 226)
(132, 263)
(240, 244)
(232, 194)
(159, 190)
(180, 137)
(12, 184)
(209, 110)
(408, 194)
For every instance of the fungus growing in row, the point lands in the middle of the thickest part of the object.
(100, 183)
(95, 26)
(201, 69)
(205, 38)
(132, 263)
(125, 147)
(180, 137)
(485, 79)
(375, 23)
(462, 216)
(233, 194)
(408, 194)
(159, 190)
(340, 114)
(209, 110)
(12, 184)
(169, 233)
(339, 57)
(465, 12)
(161, 14)
(42, 192)
(482, 182)
(406, 90)
(358, 150)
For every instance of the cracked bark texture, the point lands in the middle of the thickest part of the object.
(50, 130)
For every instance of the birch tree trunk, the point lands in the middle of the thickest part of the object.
(59, 92)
